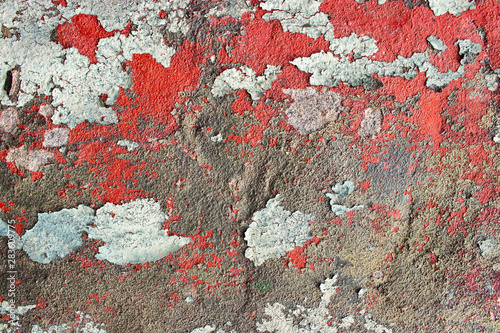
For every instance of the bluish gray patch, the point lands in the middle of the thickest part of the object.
(57, 234)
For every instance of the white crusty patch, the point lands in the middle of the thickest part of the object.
(328, 70)
(83, 324)
(75, 84)
(454, 7)
(489, 247)
(304, 16)
(362, 46)
(309, 319)
(14, 242)
(245, 78)
(496, 138)
(57, 234)
(466, 47)
(129, 144)
(315, 320)
(336, 198)
(275, 231)
(437, 44)
(13, 312)
(211, 329)
(133, 233)
(301, 16)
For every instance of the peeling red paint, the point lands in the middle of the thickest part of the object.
(84, 33)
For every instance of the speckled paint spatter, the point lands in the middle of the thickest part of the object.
(249, 166)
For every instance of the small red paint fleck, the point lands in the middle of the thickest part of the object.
(162, 14)
(236, 271)
(434, 258)
(19, 227)
(41, 305)
(4, 207)
(204, 166)
(232, 254)
(36, 175)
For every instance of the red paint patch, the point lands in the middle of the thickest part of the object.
(84, 33)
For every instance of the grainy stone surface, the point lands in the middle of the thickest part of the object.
(249, 166)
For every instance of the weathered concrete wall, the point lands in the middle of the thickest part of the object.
(249, 166)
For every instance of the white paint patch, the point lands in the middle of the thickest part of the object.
(57, 234)
(313, 26)
(468, 48)
(328, 70)
(133, 233)
(83, 324)
(81, 85)
(275, 231)
(309, 319)
(371, 325)
(76, 85)
(454, 7)
(307, 7)
(315, 320)
(211, 329)
(217, 138)
(303, 16)
(14, 242)
(488, 246)
(245, 78)
(496, 138)
(437, 44)
(6, 309)
(336, 198)
(13, 312)
(362, 46)
(64, 328)
(206, 329)
(129, 144)
(300, 16)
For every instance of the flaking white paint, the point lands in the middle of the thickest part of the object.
(275, 231)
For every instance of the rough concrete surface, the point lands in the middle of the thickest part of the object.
(249, 166)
